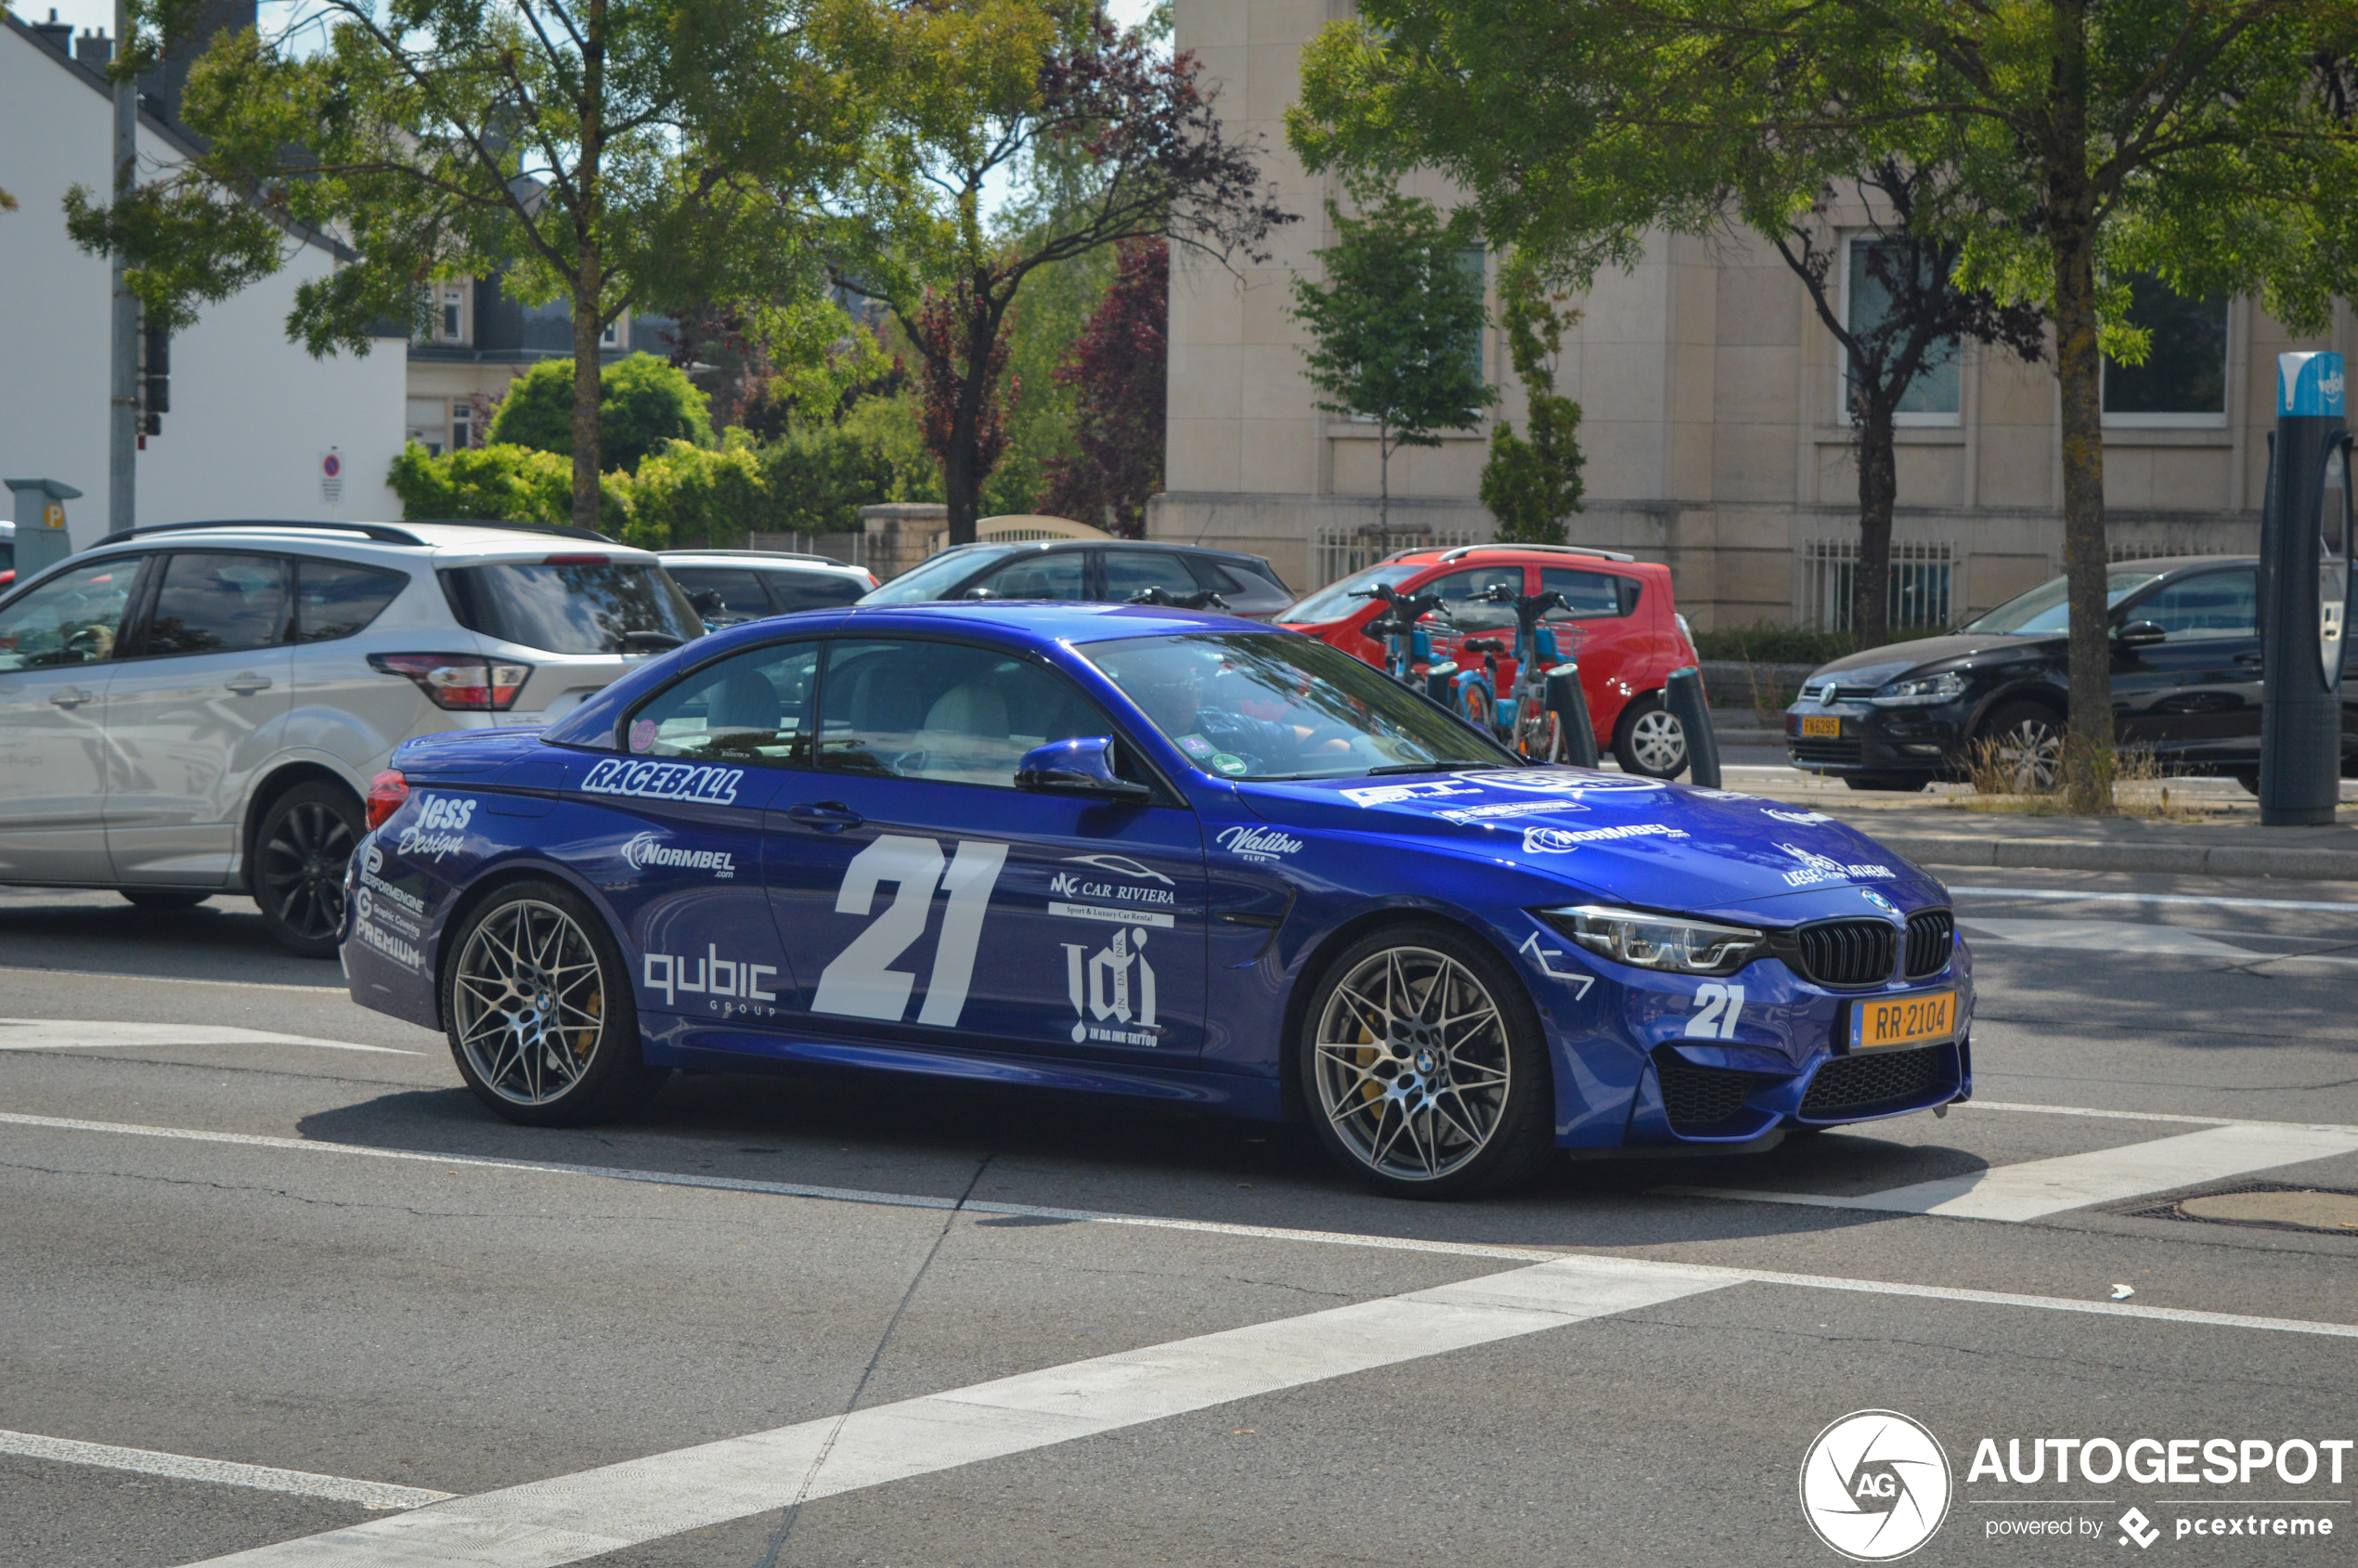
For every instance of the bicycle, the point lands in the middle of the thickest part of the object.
(1528, 719)
(1407, 644)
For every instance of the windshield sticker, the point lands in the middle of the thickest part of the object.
(664, 781)
(1232, 765)
(1112, 991)
(441, 828)
(1194, 745)
(1257, 843)
(648, 850)
(1430, 789)
(1816, 868)
(642, 734)
(1559, 841)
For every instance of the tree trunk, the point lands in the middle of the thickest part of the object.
(961, 485)
(586, 427)
(1384, 487)
(1878, 488)
(2071, 229)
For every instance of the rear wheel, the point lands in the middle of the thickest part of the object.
(1423, 1067)
(305, 840)
(1650, 740)
(539, 1011)
(2025, 747)
(163, 898)
(1480, 706)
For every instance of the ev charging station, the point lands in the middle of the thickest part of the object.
(2304, 595)
(41, 539)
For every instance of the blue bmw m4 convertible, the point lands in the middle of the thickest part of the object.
(1135, 851)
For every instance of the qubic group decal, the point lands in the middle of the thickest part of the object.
(727, 984)
(1876, 1485)
(664, 781)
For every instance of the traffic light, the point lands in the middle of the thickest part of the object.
(155, 385)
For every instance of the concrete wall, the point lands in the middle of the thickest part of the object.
(252, 413)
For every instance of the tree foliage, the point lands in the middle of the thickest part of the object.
(1534, 486)
(1119, 367)
(1396, 328)
(642, 403)
(2208, 144)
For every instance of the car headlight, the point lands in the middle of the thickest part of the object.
(1923, 692)
(1659, 941)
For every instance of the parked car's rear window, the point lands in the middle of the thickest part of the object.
(582, 608)
(336, 599)
(813, 590)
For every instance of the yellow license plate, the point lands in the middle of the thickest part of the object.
(1903, 1020)
(1826, 726)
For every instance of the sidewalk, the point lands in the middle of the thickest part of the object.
(2230, 845)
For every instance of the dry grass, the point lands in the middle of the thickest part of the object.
(2137, 782)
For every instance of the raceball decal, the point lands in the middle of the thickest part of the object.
(726, 984)
(1112, 991)
(1562, 840)
(1800, 819)
(649, 850)
(664, 781)
(1876, 1485)
(1257, 843)
(1387, 794)
(1816, 868)
(441, 828)
(861, 983)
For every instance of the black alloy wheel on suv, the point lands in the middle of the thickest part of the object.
(304, 842)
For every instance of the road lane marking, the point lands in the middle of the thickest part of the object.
(70, 1034)
(1244, 1232)
(338, 990)
(2033, 1189)
(568, 1518)
(2061, 895)
(2108, 936)
(180, 1466)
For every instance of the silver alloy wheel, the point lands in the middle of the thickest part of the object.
(2031, 755)
(530, 1002)
(1412, 1064)
(1660, 742)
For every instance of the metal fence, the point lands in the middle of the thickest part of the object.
(1340, 551)
(1921, 573)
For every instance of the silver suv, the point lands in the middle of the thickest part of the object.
(200, 708)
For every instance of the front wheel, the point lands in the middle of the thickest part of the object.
(540, 1016)
(1650, 740)
(305, 841)
(1423, 1067)
(2022, 744)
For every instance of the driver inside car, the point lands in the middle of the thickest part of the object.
(1219, 739)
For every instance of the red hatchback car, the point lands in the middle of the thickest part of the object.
(1622, 627)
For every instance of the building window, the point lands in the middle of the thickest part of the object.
(2184, 379)
(429, 424)
(1937, 394)
(1343, 550)
(462, 423)
(1918, 600)
(448, 314)
(617, 332)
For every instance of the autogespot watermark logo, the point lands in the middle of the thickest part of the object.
(1876, 1485)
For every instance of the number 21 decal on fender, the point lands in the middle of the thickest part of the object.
(861, 983)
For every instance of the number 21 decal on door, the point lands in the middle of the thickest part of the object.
(861, 983)
(1715, 1009)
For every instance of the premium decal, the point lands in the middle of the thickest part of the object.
(1257, 843)
(441, 828)
(861, 983)
(664, 781)
(648, 850)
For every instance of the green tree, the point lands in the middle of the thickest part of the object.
(642, 404)
(1396, 328)
(1532, 487)
(2208, 144)
(597, 153)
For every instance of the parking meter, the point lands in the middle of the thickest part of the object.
(2304, 598)
(42, 539)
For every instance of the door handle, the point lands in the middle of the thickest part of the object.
(70, 696)
(828, 816)
(245, 685)
(2250, 659)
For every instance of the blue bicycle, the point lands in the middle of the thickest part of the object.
(1407, 646)
(1534, 716)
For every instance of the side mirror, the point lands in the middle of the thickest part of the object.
(2140, 634)
(1076, 767)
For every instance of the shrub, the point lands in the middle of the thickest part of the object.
(514, 483)
(642, 403)
(684, 493)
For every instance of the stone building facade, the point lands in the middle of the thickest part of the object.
(1713, 421)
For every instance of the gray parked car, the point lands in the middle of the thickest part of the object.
(200, 708)
(1118, 570)
(731, 586)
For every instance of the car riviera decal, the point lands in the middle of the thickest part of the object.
(441, 828)
(1800, 819)
(861, 983)
(1562, 840)
(1548, 807)
(1388, 795)
(1066, 884)
(1715, 1009)
(728, 985)
(648, 850)
(1816, 868)
(1257, 843)
(664, 781)
(1102, 987)
(1121, 865)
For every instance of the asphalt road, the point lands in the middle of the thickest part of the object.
(221, 1251)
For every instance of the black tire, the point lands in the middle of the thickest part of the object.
(1905, 784)
(2030, 739)
(2249, 779)
(1365, 1096)
(301, 848)
(509, 1028)
(163, 898)
(1649, 739)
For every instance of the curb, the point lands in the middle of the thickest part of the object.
(2097, 854)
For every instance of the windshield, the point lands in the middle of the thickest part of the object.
(2043, 610)
(1334, 601)
(930, 579)
(1275, 706)
(585, 607)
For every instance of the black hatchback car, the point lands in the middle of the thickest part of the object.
(2186, 686)
(1114, 570)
